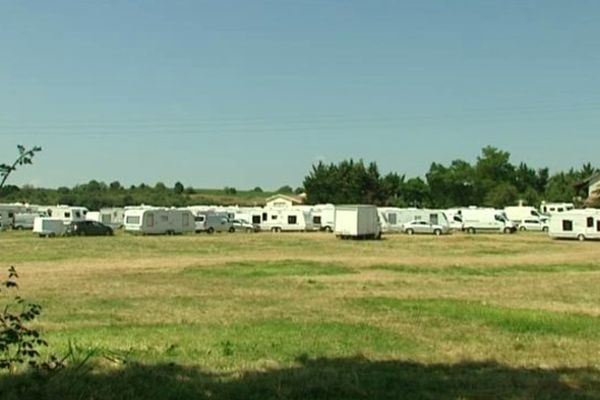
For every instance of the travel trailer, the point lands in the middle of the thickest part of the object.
(66, 213)
(113, 217)
(554, 208)
(357, 222)
(575, 224)
(486, 219)
(286, 220)
(211, 222)
(158, 221)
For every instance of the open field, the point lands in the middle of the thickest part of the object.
(269, 316)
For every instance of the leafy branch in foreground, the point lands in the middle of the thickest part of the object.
(25, 157)
(18, 342)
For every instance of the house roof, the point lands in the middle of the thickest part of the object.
(293, 199)
(588, 181)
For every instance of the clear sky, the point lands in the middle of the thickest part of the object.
(252, 92)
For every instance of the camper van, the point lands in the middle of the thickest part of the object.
(211, 222)
(575, 224)
(357, 222)
(286, 220)
(323, 217)
(158, 221)
(486, 219)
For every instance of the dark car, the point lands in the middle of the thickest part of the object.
(88, 228)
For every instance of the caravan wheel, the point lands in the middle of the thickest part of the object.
(210, 230)
(580, 237)
(328, 229)
(437, 232)
(522, 229)
(471, 231)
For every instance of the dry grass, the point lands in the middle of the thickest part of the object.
(235, 303)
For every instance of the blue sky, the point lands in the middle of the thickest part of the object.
(252, 92)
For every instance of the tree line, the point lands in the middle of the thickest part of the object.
(491, 181)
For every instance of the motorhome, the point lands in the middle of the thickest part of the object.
(357, 222)
(113, 217)
(486, 219)
(454, 218)
(211, 222)
(158, 221)
(575, 224)
(286, 220)
(394, 219)
(323, 217)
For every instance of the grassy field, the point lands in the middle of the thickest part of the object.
(305, 316)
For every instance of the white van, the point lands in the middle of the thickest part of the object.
(211, 222)
(575, 224)
(158, 221)
(486, 219)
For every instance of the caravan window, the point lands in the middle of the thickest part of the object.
(256, 219)
(590, 222)
(567, 225)
(77, 214)
(392, 219)
(292, 219)
(317, 220)
(150, 219)
(598, 225)
(264, 216)
(273, 217)
(433, 219)
(133, 220)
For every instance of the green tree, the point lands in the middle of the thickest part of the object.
(178, 188)
(286, 189)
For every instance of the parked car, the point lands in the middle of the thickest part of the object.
(241, 225)
(425, 227)
(88, 228)
(533, 224)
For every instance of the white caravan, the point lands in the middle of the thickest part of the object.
(113, 217)
(251, 214)
(357, 222)
(576, 224)
(158, 221)
(393, 219)
(286, 220)
(66, 213)
(554, 208)
(323, 217)
(486, 219)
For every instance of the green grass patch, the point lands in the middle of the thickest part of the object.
(520, 321)
(262, 269)
(488, 270)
